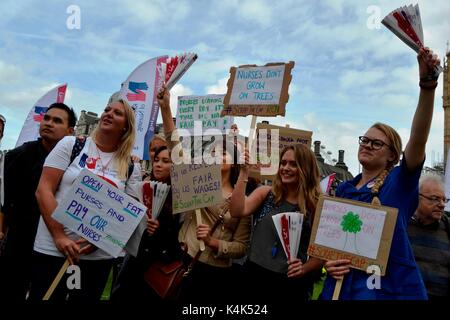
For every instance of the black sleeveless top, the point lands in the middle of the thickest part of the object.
(266, 248)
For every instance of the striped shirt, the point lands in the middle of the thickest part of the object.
(431, 246)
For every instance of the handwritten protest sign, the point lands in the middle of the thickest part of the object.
(287, 136)
(258, 90)
(204, 109)
(354, 230)
(195, 186)
(267, 156)
(99, 212)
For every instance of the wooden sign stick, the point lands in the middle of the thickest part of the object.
(57, 279)
(337, 289)
(251, 135)
(198, 215)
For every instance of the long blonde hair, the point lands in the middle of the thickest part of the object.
(395, 143)
(308, 179)
(126, 143)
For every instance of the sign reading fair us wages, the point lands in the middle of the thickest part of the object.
(99, 212)
(195, 186)
(258, 90)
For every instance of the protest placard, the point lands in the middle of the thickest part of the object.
(258, 90)
(99, 212)
(266, 156)
(204, 109)
(354, 230)
(195, 186)
(286, 136)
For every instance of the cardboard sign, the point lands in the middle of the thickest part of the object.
(267, 160)
(258, 90)
(287, 136)
(354, 230)
(195, 186)
(205, 110)
(99, 212)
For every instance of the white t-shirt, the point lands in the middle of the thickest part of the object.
(96, 161)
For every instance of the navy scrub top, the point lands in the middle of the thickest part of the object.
(402, 279)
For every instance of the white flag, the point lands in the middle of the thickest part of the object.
(140, 91)
(30, 129)
(326, 183)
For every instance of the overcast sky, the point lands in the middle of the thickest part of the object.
(348, 73)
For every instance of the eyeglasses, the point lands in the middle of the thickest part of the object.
(435, 200)
(375, 144)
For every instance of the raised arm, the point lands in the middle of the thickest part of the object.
(420, 129)
(166, 113)
(241, 206)
(45, 196)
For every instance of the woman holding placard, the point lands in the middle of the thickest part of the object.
(107, 154)
(380, 181)
(159, 243)
(225, 238)
(295, 190)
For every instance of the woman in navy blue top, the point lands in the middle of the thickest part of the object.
(379, 152)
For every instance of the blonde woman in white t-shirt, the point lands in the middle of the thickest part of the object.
(107, 154)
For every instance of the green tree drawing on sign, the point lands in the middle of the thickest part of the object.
(351, 223)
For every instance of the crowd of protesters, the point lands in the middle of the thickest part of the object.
(238, 229)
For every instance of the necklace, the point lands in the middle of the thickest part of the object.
(102, 166)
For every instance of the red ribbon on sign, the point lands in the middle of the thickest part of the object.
(285, 234)
(147, 195)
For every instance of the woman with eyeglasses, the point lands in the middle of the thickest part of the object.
(395, 186)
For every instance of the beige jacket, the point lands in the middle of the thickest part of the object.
(233, 233)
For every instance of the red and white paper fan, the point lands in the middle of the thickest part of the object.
(406, 24)
(174, 68)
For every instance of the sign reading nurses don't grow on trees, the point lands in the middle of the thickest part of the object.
(258, 90)
(354, 230)
(99, 212)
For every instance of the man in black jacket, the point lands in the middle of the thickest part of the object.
(22, 171)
